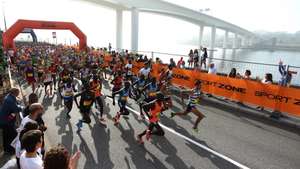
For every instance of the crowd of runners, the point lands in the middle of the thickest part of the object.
(78, 77)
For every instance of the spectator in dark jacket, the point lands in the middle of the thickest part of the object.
(8, 113)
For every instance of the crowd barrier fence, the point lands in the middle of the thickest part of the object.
(275, 97)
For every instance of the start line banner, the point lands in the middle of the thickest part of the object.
(283, 99)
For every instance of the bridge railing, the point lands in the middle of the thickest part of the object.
(224, 66)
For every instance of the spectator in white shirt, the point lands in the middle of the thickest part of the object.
(31, 142)
(212, 69)
(29, 126)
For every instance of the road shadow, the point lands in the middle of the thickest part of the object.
(66, 135)
(138, 152)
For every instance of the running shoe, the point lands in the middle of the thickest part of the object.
(140, 139)
(79, 125)
(148, 135)
(196, 130)
(102, 119)
(142, 116)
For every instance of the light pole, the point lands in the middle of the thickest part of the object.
(4, 18)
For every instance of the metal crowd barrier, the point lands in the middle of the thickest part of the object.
(224, 66)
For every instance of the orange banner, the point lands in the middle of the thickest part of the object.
(278, 98)
(275, 97)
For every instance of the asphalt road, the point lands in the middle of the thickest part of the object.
(227, 138)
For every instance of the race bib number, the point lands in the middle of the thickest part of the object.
(87, 103)
(152, 94)
(30, 74)
(124, 98)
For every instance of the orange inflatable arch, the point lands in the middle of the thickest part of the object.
(16, 28)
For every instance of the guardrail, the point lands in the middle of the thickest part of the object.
(258, 69)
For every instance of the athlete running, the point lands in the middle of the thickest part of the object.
(68, 90)
(157, 106)
(191, 107)
(47, 78)
(29, 74)
(86, 101)
(117, 82)
(124, 93)
(96, 87)
(53, 70)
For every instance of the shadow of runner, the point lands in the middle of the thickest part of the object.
(101, 140)
(164, 145)
(138, 152)
(217, 161)
(84, 149)
(63, 123)
(58, 103)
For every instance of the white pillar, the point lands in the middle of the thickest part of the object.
(119, 30)
(201, 35)
(234, 45)
(134, 29)
(212, 41)
(225, 39)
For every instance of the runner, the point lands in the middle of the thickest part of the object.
(29, 74)
(53, 70)
(68, 96)
(96, 87)
(191, 107)
(151, 90)
(64, 77)
(86, 101)
(117, 82)
(139, 87)
(47, 82)
(124, 94)
(157, 106)
(128, 70)
(40, 70)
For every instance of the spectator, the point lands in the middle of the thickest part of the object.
(191, 59)
(31, 142)
(8, 113)
(196, 58)
(232, 73)
(109, 47)
(172, 63)
(268, 79)
(158, 61)
(35, 112)
(286, 74)
(179, 63)
(29, 126)
(59, 158)
(247, 74)
(212, 69)
(33, 98)
(203, 58)
(145, 59)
